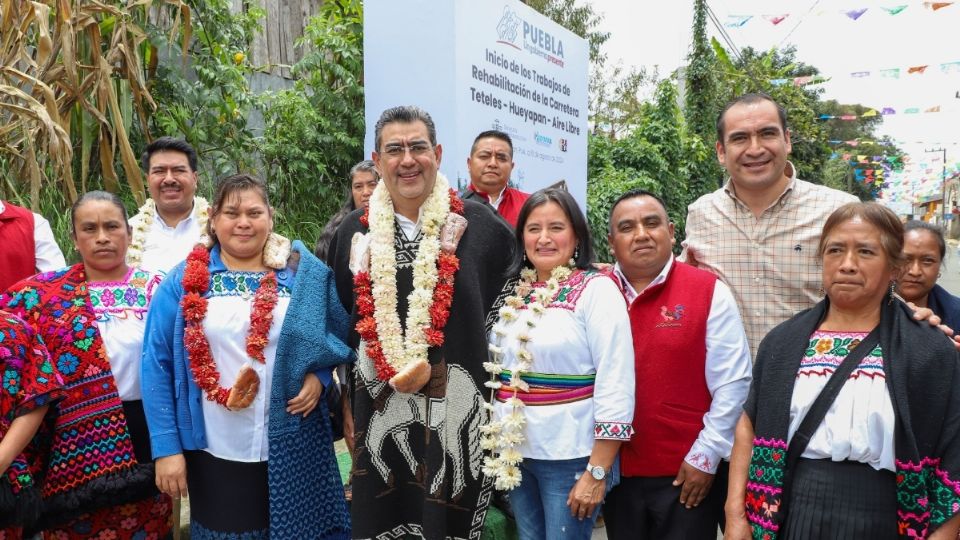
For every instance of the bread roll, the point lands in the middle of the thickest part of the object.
(411, 378)
(244, 389)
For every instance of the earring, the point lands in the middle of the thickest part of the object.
(576, 252)
(822, 292)
(893, 291)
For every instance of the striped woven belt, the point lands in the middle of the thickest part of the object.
(548, 388)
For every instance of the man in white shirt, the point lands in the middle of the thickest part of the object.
(693, 370)
(173, 219)
(28, 245)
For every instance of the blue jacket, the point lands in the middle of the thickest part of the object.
(946, 306)
(306, 498)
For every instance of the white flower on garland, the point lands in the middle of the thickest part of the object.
(143, 223)
(403, 346)
(503, 436)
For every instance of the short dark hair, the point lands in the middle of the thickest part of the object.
(632, 194)
(227, 187)
(171, 144)
(492, 134)
(747, 99)
(937, 232)
(97, 195)
(404, 114)
(569, 205)
(880, 217)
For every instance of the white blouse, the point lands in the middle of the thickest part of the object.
(859, 425)
(121, 311)
(585, 331)
(239, 435)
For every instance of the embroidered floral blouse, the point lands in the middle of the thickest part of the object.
(239, 435)
(121, 311)
(859, 425)
(582, 337)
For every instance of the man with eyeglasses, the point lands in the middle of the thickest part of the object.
(490, 164)
(173, 219)
(420, 270)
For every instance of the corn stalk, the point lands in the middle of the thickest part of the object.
(73, 76)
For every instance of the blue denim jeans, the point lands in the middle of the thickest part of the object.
(539, 503)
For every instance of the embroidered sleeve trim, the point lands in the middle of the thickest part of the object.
(617, 431)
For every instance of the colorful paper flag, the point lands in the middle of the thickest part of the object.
(935, 108)
(912, 110)
(893, 10)
(916, 69)
(848, 117)
(887, 111)
(948, 67)
(855, 13)
(893, 73)
(800, 81)
(868, 114)
(737, 21)
(936, 5)
(776, 19)
(859, 74)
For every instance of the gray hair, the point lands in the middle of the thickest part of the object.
(364, 166)
(404, 114)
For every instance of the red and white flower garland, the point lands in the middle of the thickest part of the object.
(388, 344)
(196, 282)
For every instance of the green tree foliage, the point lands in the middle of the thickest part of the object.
(208, 100)
(315, 130)
(701, 101)
(658, 155)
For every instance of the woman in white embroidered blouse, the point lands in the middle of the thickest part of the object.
(562, 376)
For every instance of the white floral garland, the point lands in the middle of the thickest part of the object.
(147, 213)
(404, 346)
(503, 437)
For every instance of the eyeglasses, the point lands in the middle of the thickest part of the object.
(417, 149)
(162, 172)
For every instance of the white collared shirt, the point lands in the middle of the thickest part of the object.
(495, 203)
(727, 369)
(45, 249)
(409, 227)
(164, 246)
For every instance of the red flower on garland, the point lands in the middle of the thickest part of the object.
(196, 282)
(447, 266)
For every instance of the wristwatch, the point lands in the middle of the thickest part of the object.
(596, 471)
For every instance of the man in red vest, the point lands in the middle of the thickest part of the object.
(28, 245)
(490, 164)
(693, 373)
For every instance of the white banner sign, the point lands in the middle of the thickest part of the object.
(476, 66)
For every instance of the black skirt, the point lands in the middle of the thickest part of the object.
(228, 499)
(840, 499)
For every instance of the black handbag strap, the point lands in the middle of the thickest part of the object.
(815, 415)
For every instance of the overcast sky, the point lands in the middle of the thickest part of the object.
(658, 34)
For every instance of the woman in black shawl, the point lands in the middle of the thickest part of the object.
(884, 460)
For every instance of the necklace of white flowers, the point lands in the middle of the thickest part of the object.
(503, 437)
(148, 213)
